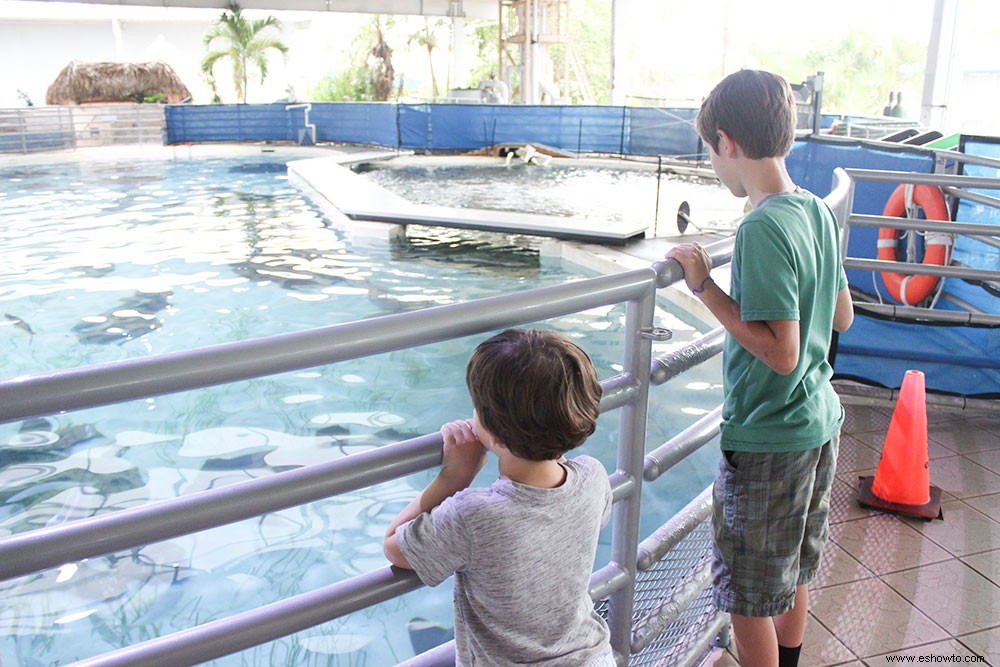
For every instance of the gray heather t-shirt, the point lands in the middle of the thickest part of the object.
(522, 558)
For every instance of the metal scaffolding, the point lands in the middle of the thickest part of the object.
(538, 59)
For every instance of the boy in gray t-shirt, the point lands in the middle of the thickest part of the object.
(522, 549)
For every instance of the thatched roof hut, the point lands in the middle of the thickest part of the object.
(80, 83)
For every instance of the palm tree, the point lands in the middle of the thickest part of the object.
(382, 73)
(242, 43)
(427, 38)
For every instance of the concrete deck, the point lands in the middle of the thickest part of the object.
(360, 199)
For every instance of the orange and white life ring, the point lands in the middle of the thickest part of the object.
(911, 290)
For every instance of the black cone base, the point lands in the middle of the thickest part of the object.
(928, 511)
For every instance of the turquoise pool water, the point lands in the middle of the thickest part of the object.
(108, 260)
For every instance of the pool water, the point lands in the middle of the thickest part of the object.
(108, 260)
(616, 192)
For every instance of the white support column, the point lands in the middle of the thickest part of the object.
(940, 70)
(535, 53)
(116, 31)
(619, 11)
(459, 53)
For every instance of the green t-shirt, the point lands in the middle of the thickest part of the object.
(786, 266)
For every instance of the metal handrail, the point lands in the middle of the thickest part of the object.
(25, 129)
(955, 186)
(257, 626)
(35, 395)
(33, 551)
(944, 226)
(37, 550)
(943, 180)
(921, 269)
(131, 379)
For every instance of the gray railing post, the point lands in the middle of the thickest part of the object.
(23, 129)
(631, 444)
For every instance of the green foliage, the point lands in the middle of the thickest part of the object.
(487, 36)
(860, 70)
(242, 41)
(368, 73)
(147, 98)
(353, 84)
(592, 34)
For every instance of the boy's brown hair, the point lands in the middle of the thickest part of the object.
(756, 109)
(536, 391)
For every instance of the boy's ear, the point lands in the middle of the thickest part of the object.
(727, 146)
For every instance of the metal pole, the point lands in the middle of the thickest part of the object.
(631, 445)
(656, 210)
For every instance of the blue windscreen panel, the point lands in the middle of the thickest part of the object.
(662, 131)
(446, 127)
(476, 126)
(958, 360)
(955, 359)
(373, 123)
(228, 122)
(414, 126)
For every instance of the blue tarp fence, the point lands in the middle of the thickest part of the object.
(585, 129)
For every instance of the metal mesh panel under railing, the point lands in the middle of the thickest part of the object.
(691, 555)
(673, 645)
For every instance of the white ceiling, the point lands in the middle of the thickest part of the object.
(481, 9)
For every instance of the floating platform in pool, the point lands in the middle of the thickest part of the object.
(360, 199)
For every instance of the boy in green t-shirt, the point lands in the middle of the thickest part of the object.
(781, 416)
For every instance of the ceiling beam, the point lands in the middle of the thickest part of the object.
(475, 9)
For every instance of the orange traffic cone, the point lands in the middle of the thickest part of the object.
(901, 484)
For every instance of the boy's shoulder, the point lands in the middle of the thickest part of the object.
(588, 466)
(779, 208)
(497, 498)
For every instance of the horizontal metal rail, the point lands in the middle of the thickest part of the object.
(941, 180)
(972, 196)
(37, 550)
(269, 622)
(962, 303)
(907, 268)
(920, 225)
(669, 366)
(602, 583)
(26, 129)
(257, 626)
(675, 450)
(33, 551)
(103, 384)
(669, 271)
(984, 233)
(670, 534)
(968, 158)
(654, 548)
(648, 628)
(923, 314)
(695, 653)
